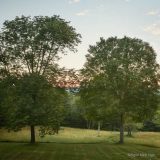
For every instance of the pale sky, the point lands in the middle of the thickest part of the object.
(94, 19)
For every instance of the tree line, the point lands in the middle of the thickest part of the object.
(121, 77)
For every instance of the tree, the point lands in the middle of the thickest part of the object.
(128, 72)
(32, 46)
(32, 101)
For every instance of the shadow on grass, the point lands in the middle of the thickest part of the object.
(37, 142)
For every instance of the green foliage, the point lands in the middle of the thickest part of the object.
(6, 85)
(156, 118)
(128, 71)
(73, 113)
(33, 101)
(152, 124)
(93, 100)
(33, 44)
(29, 49)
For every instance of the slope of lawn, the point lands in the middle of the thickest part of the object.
(79, 144)
(66, 135)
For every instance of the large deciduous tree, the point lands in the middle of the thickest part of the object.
(128, 72)
(29, 50)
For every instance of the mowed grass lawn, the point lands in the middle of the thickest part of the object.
(79, 144)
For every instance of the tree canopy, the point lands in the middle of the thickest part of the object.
(128, 71)
(33, 44)
(32, 101)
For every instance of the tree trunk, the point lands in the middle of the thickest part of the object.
(121, 129)
(89, 124)
(130, 134)
(129, 131)
(92, 124)
(57, 129)
(32, 134)
(99, 128)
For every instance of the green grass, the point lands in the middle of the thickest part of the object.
(79, 144)
(66, 135)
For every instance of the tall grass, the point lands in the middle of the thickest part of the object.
(73, 135)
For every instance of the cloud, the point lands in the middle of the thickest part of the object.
(74, 1)
(127, 0)
(153, 13)
(153, 29)
(101, 6)
(82, 13)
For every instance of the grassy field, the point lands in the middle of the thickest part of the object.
(79, 144)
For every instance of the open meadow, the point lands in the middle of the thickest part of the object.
(79, 144)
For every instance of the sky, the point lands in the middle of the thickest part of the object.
(94, 19)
